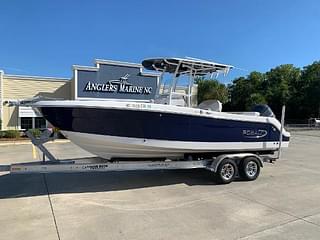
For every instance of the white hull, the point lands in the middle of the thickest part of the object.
(124, 147)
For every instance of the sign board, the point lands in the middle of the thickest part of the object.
(28, 112)
(115, 80)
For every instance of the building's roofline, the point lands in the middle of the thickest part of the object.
(118, 63)
(37, 78)
(79, 67)
(84, 68)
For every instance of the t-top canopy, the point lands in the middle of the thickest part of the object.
(180, 66)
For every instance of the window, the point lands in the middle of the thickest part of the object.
(26, 123)
(40, 122)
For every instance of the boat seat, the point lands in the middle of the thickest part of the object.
(213, 105)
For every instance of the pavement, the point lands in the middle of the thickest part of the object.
(283, 203)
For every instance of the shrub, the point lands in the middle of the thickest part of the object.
(35, 132)
(2, 134)
(56, 130)
(12, 134)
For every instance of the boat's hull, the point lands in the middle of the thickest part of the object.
(126, 147)
(111, 131)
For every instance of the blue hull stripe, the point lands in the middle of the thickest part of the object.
(156, 125)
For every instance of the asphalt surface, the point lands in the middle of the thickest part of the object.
(283, 203)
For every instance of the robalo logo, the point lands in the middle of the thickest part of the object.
(254, 133)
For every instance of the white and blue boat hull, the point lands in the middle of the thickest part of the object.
(111, 129)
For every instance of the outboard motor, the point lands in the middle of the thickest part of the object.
(263, 109)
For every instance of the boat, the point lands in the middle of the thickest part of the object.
(126, 129)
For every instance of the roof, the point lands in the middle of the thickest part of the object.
(185, 66)
(37, 78)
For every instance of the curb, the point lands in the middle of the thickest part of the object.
(26, 142)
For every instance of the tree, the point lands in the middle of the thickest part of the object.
(254, 99)
(247, 91)
(280, 86)
(211, 89)
(298, 89)
(311, 92)
(238, 93)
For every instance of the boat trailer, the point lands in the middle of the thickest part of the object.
(225, 166)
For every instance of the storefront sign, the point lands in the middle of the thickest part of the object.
(115, 81)
(122, 85)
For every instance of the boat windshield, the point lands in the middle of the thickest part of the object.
(189, 68)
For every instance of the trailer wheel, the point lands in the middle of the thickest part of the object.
(226, 171)
(250, 168)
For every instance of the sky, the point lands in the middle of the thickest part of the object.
(47, 37)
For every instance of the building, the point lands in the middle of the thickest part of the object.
(14, 87)
(107, 79)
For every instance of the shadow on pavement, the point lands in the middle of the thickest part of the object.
(27, 185)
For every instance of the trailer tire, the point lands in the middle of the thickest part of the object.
(250, 168)
(226, 171)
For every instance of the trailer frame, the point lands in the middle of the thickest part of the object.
(50, 164)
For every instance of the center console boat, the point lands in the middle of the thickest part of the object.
(159, 128)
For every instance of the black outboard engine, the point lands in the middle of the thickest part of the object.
(263, 109)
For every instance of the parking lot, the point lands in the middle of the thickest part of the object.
(283, 203)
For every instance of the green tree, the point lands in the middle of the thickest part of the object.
(211, 89)
(311, 91)
(254, 99)
(247, 91)
(238, 93)
(280, 86)
(298, 89)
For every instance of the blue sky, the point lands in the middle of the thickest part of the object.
(48, 37)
